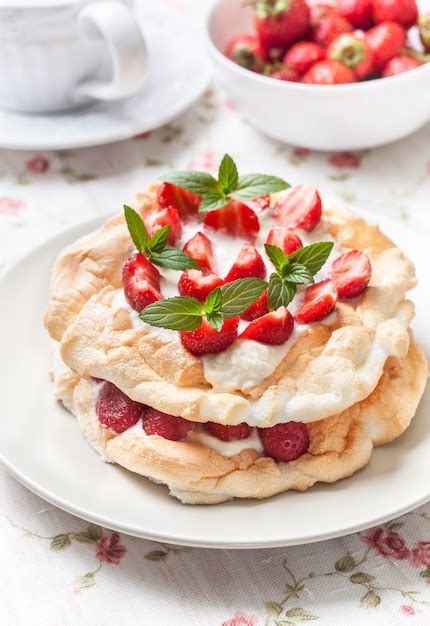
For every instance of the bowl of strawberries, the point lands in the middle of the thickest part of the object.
(348, 75)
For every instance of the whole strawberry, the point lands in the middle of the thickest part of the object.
(399, 64)
(279, 23)
(404, 12)
(329, 72)
(424, 27)
(245, 50)
(329, 28)
(302, 55)
(385, 41)
(358, 12)
(284, 72)
(353, 51)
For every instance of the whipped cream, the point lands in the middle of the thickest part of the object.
(198, 434)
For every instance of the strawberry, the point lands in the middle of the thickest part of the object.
(206, 340)
(284, 72)
(273, 328)
(351, 273)
(424, 28)
(259, 204)
(329, 72)
(358, 12)
(166, 426)
(300, 208)
(248, 263)
(281, 23)
(403, 12)
(199, 248)
(319, 12)
(319, 300)
(399, 64)
(198, 285)
(236, 219)
(285, 239)
(353, 51)
(229, 433)
(141, 281)
(185, 202)
(285, 442)
(329, 28)
(302, 55)
(246, 50)
(385, 41)
(115, 410)
(163, 217)
(259, 308)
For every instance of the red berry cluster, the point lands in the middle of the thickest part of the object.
(327, 44)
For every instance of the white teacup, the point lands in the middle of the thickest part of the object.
(60, 54)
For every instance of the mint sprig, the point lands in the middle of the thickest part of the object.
(186, 313)
(297, 268)
(155, 248)
(217, 192)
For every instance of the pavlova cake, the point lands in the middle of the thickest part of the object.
(230, 337)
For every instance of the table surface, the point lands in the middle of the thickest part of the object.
(54, 569)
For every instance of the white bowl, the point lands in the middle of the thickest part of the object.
(319, 117)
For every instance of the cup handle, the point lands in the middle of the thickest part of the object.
(119, 28)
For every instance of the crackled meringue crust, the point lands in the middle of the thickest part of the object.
(196, 474)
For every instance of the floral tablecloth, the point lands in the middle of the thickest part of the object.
(58, 570)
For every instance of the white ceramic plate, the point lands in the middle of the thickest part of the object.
(178, 74)
(42, 446)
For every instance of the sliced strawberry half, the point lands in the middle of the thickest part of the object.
(115, 410)
(248, 263)
(229, 433)
(236, 219)
(199, 248)
(206, 340)
(284, 238)
(198, 285)
(351, 273)
(185, 202)
(300, 208)
(273, 328)
(141, 281)
(259, 204)
(259, 308)
(168, 216)
(285, 442)
(166, 426)
(319, 301)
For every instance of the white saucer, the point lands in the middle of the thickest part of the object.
(42, 445)
(178, 74)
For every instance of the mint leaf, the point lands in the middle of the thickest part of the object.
(277, 256)
(200, 183)
(178, 313)
(255, 185)
(238, 295)
(297, 273)
(159, 239)
(174, 259)
(227, 174)
(212, 201)
(136, 228)
(280, 292)
(314, 256)
(213, 301)
(216, 320)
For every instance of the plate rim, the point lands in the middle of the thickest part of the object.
(79, 229)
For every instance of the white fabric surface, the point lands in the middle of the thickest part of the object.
(53, 570)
